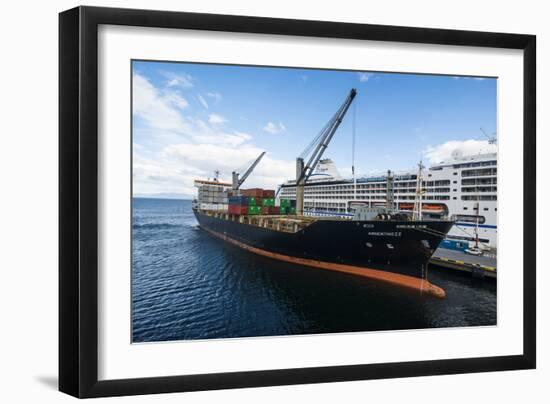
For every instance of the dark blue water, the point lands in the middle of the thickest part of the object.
(187, 284)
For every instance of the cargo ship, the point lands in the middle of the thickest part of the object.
(377, 242)
(381, 245)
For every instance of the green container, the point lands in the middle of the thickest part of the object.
(251, 201)
(254, 210)
(285, 203)
(282, 210)
(291, 211)
(268, 202)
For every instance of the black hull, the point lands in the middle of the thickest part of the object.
(393, 246)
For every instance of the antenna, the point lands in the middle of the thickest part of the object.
(491, 139)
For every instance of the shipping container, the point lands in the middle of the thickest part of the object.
(270, 210)
(254, 201)
(238, 209)
(238, 200)
(258, 192)
(254, 210)
(268, 202)
(285, 203)
(268, 193)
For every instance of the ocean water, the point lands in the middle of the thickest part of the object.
(188, 285)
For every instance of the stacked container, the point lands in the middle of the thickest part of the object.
(238, 205)
(257, 201)
(212, 197)
(288, 206)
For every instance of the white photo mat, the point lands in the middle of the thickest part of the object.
(118, 358)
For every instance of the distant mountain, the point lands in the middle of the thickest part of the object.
(164, 196)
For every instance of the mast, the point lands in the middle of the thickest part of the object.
(389, 191)
(477, 225)
(353, 154)
(299, 186)
(417, 212)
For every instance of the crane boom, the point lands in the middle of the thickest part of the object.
(238, 182)
(303, 172)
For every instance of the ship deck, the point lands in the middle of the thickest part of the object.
(285, 223)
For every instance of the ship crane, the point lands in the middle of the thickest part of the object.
(236, 182)
(316, 149)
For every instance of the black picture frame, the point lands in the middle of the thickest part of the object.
(78, 201)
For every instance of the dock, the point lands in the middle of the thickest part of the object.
(479, 266)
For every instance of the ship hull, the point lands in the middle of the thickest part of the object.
(395, 247)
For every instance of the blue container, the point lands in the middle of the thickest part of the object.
(238, 200)
(457, 245)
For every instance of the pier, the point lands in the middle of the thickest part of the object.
(479, 266)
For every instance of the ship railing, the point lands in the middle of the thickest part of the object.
(274, 222)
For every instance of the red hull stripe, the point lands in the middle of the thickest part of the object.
(406, 281)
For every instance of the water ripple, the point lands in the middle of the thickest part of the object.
(189, 285)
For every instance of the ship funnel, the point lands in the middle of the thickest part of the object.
(326, 167)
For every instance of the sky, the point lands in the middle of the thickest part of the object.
(189, 120)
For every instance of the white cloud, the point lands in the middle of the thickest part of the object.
(152, 177)
(217, 97)
(182, 80)
(202, 101)
(364, 76)
(175, 148)
(216, 119)
(457, 148)
(468, 78)
(157, 109)
(176, 99)
(273, 128)
(205, 158)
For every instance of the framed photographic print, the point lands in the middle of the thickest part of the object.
(251, 201)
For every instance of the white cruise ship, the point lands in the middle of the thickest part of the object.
(463, 189)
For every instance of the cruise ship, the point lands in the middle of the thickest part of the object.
(463, 189)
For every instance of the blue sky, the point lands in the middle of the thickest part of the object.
(190, 119)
